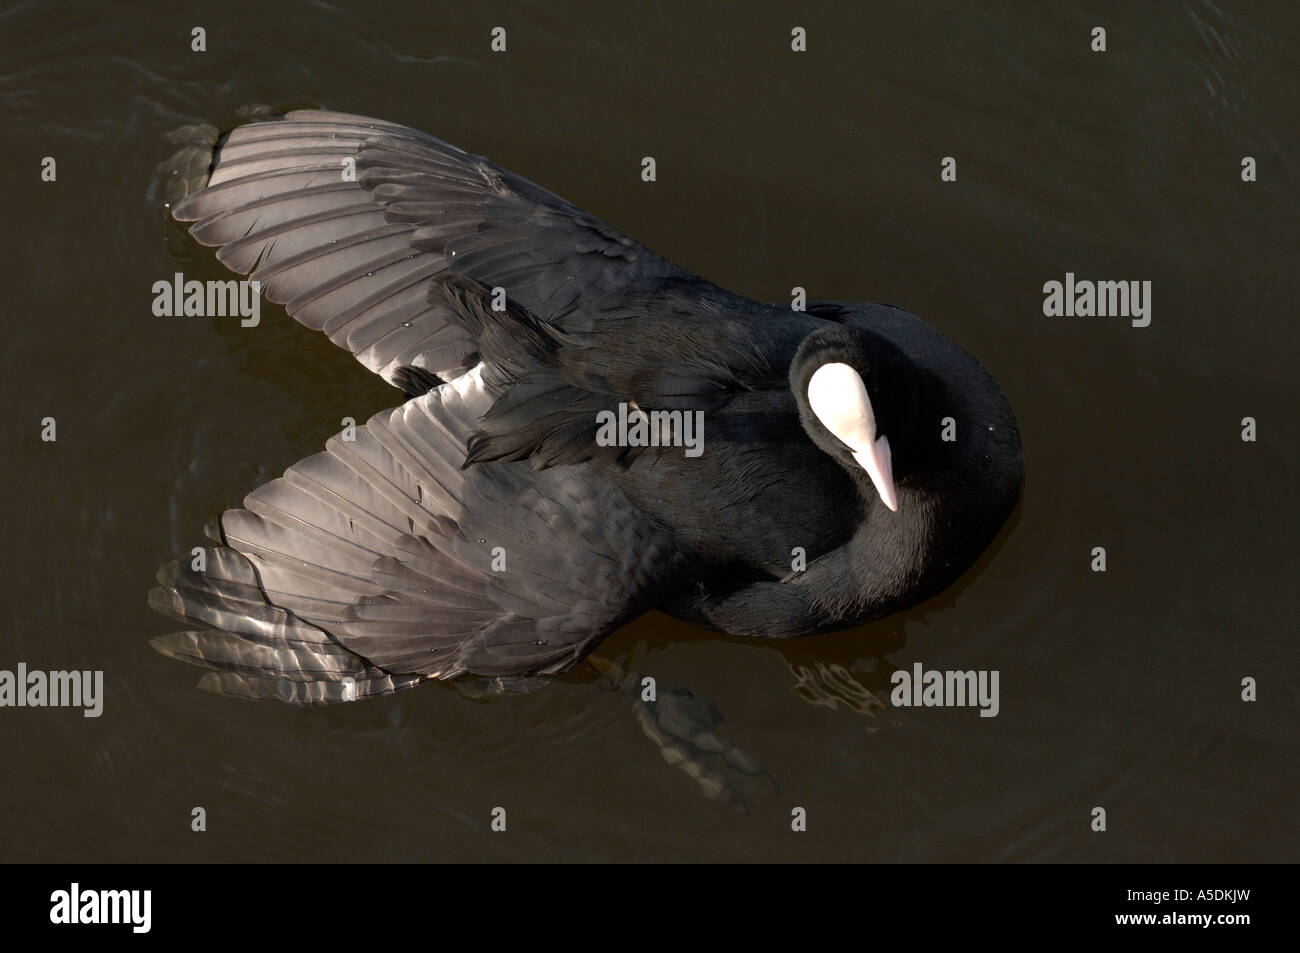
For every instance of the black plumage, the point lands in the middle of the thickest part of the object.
(379, 562)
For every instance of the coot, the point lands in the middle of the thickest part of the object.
(590, 432)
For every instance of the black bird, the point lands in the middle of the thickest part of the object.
(489, 524)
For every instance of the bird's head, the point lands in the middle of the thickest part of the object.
(857, 397)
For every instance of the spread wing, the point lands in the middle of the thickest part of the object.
(384, 561)
(345, 220)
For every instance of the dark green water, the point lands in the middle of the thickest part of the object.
(1120, 690)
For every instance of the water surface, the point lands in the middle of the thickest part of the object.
(776, 169)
